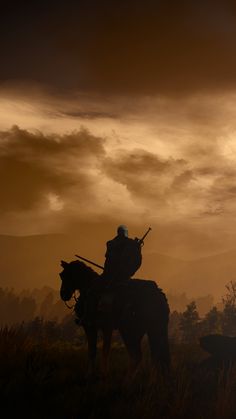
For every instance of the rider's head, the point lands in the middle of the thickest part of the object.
(122, 230)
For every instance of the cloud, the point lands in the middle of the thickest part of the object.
(88, 115)
(163, 161)
(145, 174)
(132, 46)
(34, 166)
(22, 142)
(196, 187)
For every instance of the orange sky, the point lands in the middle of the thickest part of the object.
(128, 117)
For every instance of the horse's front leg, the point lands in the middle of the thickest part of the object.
(107, 335)
(91, 333)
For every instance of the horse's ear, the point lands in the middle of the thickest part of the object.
(63, 264)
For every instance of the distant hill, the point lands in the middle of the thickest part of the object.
(203, 276)
(34, 261)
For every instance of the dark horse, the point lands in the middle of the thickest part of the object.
(137, 307)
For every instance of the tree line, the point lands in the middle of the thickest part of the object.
(188, 326)
(41, 312)
(28, 304)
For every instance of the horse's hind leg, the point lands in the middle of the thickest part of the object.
(159, 347)
(133, 346)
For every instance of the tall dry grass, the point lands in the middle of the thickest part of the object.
(47, 379)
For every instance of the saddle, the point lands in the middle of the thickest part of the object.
(100, 305)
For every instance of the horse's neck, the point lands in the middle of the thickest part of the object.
(87, 282)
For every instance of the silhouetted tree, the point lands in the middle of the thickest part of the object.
(230, 296)
(229, 311)
(46, 305)
(69, 329)
(58, 310)
(35, 327)
(212, 322)
(178, 302)
(204, 304)
(174, 326)
(28, 309)
(189, 323)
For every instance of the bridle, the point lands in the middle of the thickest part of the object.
(73, 306)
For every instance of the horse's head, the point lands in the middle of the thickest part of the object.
(75, 276)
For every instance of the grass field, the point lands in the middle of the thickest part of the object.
(42, 379)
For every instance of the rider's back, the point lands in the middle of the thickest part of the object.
(123, 258)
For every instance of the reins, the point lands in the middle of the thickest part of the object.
(73, 306)
(70, 307)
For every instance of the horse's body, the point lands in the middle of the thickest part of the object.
(137, 307)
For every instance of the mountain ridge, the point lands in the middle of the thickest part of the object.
(34, 261)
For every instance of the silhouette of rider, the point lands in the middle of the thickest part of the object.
(123, 259)
(123, 256)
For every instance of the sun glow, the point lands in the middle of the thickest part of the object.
(55, 202)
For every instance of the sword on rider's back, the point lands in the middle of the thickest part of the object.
(140, 241)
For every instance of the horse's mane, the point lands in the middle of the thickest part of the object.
(81, 267)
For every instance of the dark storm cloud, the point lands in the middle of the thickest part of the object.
(144, 174)
(33, 165)
(224, 187)
(80, 143)
(131, 46)
(176, 186)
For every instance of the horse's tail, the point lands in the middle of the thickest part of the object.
(158, 329)
(159, 346)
